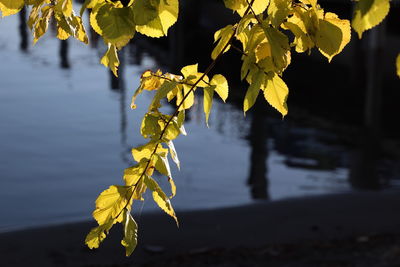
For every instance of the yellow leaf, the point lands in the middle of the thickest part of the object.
(263, 50)
(398, 65)
(173, 187)
(235, 4)
(172, 130)
(130, 233)
(42, 24)
(368, 14)
(98, 234)
(184, 103)
(333, 35)
(173, 153)
(150, 127)
(144, 152)
(167, 16)
(280, 49)
(162, 164)
(160, 197)
(276, 93)
(144, 11)
(111, 202)
(255, 85)
(133, 174)
(258, 7)
(114, 24)
(110, 59)
(222, 36)
(207, 102)
(64, 7)
(162, 92)
(221, 86)
(10, 7)
(278, 10)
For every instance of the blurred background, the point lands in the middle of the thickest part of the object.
(66, 129)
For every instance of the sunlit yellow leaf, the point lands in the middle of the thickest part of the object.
(173, 187)
(207, 101)
(133, 174)
(150, 127)
(110, 59)
(114, 24)
(160, 197)
(368, 14)
(167, 16)
(98, 234)
(173, 153)
(144, 11)
(280, 49)
(278, 10)
(222, 36)
(263, 50)
(257, 7)
(42, 24)
(111, 202)
(144, 152)
(10, 7)
(130, 233)
(221, 86)
(333, 35)
(398, 65)
(64, 7)
(251, 95)
(276, 93)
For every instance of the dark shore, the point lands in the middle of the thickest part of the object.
(357, 229)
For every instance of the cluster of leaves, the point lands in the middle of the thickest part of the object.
(268, 31)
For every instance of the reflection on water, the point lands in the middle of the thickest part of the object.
(69, 136)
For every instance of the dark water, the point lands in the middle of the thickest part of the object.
(66, 136)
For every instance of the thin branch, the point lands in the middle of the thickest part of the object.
(191, 90)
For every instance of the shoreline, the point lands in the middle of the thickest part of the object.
(286, 221)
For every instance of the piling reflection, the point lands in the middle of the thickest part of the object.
(23, 30)
(257, 138)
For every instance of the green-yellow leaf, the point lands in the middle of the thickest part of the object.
(173, 153)
(278, 10)
(333, 35)
(280, 48)
(276, 93)
(257, 7)
(133, 174)
(162, 164)
(221, 86)
(251, 95)
(114, 24)
(64, 7)
(173, 187)
(160, 197)
(150, 127)
(130, 233)
(144, 11)
(98, 234)
(398, 65)
(167, 16)
(42, 24)
(144, 152)
(10, 7)
(111, 202)
(368, 14)
(110, 59)
(207, 102)
(223, 36)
